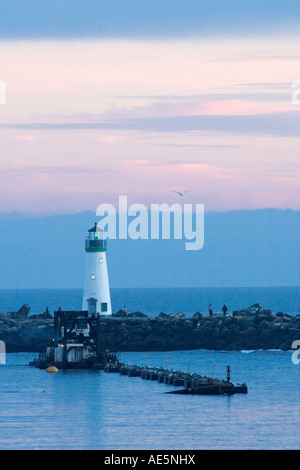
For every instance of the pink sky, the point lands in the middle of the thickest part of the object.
(85, 122)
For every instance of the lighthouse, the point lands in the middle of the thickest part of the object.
(96, 294)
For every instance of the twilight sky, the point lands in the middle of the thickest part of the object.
(139, 98)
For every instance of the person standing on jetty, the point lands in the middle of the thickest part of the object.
(210, 310)
(124, 312)
(224, 310)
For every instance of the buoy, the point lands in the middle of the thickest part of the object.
(51, 369)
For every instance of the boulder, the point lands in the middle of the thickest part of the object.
(118, 314)
(228, 321)
(264, 324)
(21, 313)
(137, 315)
(163, 315)
(12, 329)
(46, 315)
(197, 316)
(249, 332)
(224, 332)
(254, 309)
(178, 316)
(287, 318)
(188, 324)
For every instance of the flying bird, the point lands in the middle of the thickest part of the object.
(181, 194)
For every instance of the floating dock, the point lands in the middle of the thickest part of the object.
(194, 384)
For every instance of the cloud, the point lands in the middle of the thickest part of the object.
(20, 167)
(292, 180)
(189, 170)
(26, 138)
(208, 107)
(146, 117)
(280, 124)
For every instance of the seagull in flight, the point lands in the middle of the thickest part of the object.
(181, 194)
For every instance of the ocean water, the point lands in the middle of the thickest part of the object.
(153, 301)
(96, 410)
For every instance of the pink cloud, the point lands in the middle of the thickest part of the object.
(26, 138)
(211, 107)
(184, 169)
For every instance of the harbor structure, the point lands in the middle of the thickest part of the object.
(96, 293)
(76, 343)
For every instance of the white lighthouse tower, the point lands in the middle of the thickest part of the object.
(96, 294)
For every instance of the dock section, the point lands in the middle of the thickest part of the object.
(194, 384)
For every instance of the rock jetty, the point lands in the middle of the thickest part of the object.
(250, 328)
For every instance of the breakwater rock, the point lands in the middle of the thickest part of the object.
(252, 328)
(30, 335)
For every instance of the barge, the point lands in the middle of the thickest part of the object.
(76, 343)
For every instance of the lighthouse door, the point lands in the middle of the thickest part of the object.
(92, 306)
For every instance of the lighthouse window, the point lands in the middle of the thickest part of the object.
(101, 260)
(104, 307)
(93, 276)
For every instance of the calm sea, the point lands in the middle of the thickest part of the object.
(95, 410)
(153, 301)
